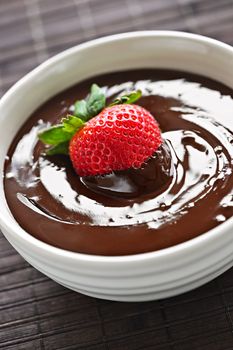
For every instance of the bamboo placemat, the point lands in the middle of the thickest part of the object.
(37, 313)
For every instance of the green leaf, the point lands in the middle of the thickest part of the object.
(72, 124)
(132, 97)
(61, 133)
(92, 105)
(54, 135)
(96, 101)
(80, 109)
(61, 148)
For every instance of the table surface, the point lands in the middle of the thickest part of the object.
(37, 313)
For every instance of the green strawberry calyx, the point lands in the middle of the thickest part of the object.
(58, 136)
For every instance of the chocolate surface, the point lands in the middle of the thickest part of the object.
(184, 190)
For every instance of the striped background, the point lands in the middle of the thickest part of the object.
(36, 313)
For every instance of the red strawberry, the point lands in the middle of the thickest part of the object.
(118, 138)
(102, 139)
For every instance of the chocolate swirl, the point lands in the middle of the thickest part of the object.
(182, 191)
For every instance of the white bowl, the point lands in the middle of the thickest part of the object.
(138, 277)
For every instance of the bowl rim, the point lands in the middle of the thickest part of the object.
(173, 251)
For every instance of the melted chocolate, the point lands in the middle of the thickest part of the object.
(151, 178)
(184, 190)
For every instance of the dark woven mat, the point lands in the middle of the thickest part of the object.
(35, 312)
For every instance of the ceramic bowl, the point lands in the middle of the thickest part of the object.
(138, 277)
